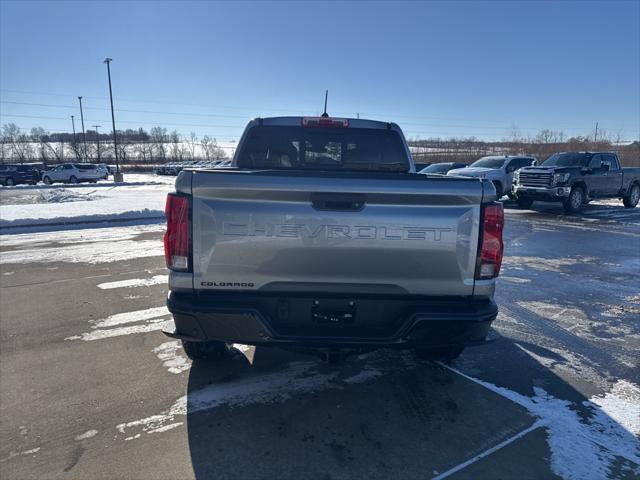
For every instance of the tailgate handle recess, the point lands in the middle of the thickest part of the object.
(338, 201)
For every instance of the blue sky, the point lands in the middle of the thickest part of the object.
(437, 69)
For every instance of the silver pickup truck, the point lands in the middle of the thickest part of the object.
(321, 235)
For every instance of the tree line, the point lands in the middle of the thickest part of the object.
(541, 146)
(158, 145)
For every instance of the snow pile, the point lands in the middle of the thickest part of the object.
(95, 245)
(138, 201)
(61, 195)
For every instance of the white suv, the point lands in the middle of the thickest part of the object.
(73, 173)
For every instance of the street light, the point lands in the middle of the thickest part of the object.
(75, 145)
(97, 140)
(117, 177)
(84, 136)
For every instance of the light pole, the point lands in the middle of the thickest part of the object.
(84, 136)
(97, 140)
(117, 177)
(75, 144)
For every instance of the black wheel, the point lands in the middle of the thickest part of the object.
(524, 202)
(9, 182)
(499, 191)
(47, 180)
(631, 200)
(574, 201)
(73, 179)
(443, 354)
(205, 350)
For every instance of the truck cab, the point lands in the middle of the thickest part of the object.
(575, 178)
(498, 169)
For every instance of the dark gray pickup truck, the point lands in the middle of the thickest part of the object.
(321, 235)
(574, 178)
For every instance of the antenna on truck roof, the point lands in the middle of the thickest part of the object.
(326, 94)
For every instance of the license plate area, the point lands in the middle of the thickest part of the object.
(333, 312)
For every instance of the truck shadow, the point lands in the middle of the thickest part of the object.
(269, 413)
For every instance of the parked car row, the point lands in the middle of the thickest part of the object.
(176, 167)
(75, 173)
(65, 173)
(573, 178)
(19, 174)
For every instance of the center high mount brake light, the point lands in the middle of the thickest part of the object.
(326, 122)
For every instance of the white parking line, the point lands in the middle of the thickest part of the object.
(488, 452)
(581, 448)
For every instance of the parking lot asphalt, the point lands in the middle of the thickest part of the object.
(90, 387)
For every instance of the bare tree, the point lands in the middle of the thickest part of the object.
(211, 149)
(18, 141)
(176, 151)
(158, 138)
(192, 140)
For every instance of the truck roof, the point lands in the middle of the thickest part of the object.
(589, 153)
(297, 121)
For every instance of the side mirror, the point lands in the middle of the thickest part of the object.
(534, 163)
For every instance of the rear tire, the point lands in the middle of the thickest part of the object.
(631, 200)
(47, 180)
(524, 202)
(205, 350)
(575, 200)
(73, 179)
(9, 182)
(443, 354)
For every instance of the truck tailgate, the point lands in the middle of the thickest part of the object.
(292, 232)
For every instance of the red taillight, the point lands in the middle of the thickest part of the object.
(326, 122)
(491, 246)
(176, 239)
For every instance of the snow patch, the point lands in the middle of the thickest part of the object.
(17, 454)
(87, 434)
(514, 279)
(369, 373)
(171, 358)
(545, 264)
(99, 252)
(582, 450)
(152, 319)
(242, 348)
(96, 245)
(135, 282)
(297, 378)
(622, 404)
(578, 322)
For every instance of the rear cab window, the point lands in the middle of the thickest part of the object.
(341, 149)
(611, 160)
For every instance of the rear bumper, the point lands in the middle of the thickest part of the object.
(292, 320)
(549, 194)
